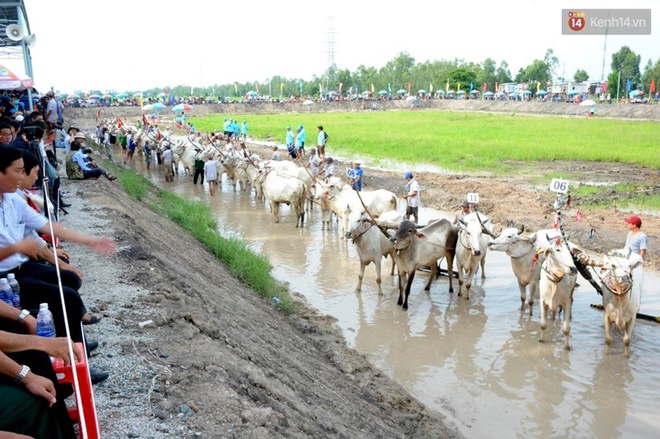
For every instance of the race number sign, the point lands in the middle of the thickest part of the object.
(559, 185)
(473, 198)
(350, 173)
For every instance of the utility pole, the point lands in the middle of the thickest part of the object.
(618, 84)
(332, 67)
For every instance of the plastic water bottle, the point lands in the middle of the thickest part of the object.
(45, 323)
(5, 292)
(16, 290)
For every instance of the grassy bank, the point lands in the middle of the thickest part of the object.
(464, 141)
(196, 217)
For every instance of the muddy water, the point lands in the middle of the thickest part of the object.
(479, 362)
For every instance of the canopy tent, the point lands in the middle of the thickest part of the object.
(11, 81)
(526, 92)
(541, 92)
(488, 94)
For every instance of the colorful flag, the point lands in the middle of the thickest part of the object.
(538, 86)
(485, 86)
(389, 87)
(628, 85)
(578, 216)
(431, 88)
(373, 89)
(652, 86)
(173, 100)
(141, 102)
(458, 87)
(447, 85)
(496, 87)
(605, 87)
(320, 88)
(281, 87)
(409, 86)
(191, 91)
(235, 88)
(471, 86)
(301, 85)
(341, 84)
(165, 90)
(256, 86)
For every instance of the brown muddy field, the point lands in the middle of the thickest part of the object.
(245, 370)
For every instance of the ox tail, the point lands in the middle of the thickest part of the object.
(302, 201)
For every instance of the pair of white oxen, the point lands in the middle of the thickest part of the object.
(543, 262)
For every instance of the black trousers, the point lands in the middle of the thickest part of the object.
(38, 284)
(198, 173)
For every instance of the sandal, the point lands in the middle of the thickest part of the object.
(93, 318)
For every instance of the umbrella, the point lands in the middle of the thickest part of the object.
(527, 92)
(94, 96)
(587, 103)
(488, 93)
(474, 92)
(10, 81)
(122, 95)
(450, 92)
(541, 92)
(154, 107)
(161, 95)
(440, 92)
(422, 91)
(107, 96)
(182, 107)
(74, 96)
(401, 91)
(460, 92)
(572, 92)
(251, 93)
(383, 92)
(308, 102)
(137, 95)
(635, 93)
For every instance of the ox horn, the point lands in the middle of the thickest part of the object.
(521, 229)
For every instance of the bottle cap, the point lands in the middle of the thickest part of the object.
(3, 281)
(11, 276)
(43, 306)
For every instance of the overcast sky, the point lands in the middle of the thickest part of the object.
(130, 45)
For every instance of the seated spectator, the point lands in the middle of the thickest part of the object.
(77, 165)
(40, 282)
(32, 402)
(70, 275)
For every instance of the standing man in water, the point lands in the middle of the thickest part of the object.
(412, 197)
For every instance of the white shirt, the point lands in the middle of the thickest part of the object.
(314, 163)
(16, 217)
(211, 170)
(413, 186)
(329, 170)
(168, 156)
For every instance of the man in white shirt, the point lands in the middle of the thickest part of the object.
(412, 197)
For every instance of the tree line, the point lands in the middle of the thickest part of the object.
(404, 72)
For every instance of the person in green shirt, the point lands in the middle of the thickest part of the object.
(123, 142)
(198, 166)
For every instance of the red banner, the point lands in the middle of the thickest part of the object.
(485, 86)
(652, 86)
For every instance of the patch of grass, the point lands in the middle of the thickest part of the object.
(135, 185)
(464, 141)
(251, 268)
(626, 195)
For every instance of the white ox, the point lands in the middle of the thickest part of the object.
(470, 250)
(623, 280)
(291, 169)
(522, 252)
(279, 188)
(424, 248)
(372, 243)
(344, 201)
(557, 280)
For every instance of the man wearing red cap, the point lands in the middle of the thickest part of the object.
(636, 241)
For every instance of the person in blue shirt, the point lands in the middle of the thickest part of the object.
(358, 173)
(301, 137)
(289, 143)
(244, 130)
